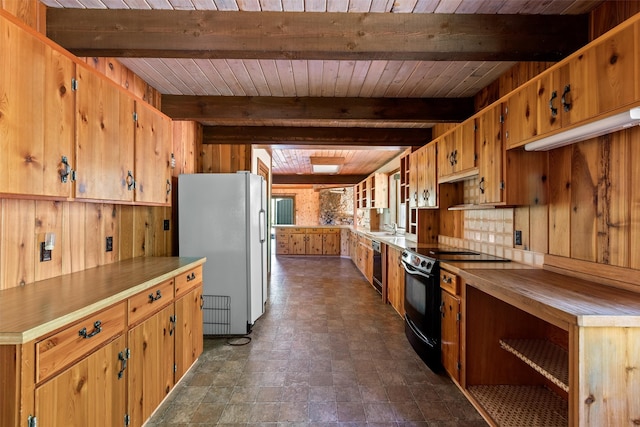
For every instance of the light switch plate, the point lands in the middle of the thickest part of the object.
(518, 238)
(109, 244)
(45, 254)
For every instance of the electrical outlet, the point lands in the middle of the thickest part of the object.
(518, 238)
(109, 245)
(45, 254)
(166, 225)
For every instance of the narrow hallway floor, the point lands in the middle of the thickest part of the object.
(327, 353)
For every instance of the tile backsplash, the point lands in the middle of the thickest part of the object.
(490, 231)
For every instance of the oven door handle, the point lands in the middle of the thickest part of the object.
(419, 333)
(413, 271)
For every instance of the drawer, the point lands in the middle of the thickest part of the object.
(282, 248)
(148, 302)
(296, 230)
(77, 340)
(449, 282)
(314, 230)
(187, 281)
(282, 235)
(331, 230)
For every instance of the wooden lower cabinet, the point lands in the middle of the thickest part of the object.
(395, 280)
(188, 330)
(111, 368)
(450, 334)
(308, 241)
(150, 364)
(90, 392)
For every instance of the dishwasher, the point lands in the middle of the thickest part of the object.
(377, 266)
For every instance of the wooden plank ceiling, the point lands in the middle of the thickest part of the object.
(359, 79)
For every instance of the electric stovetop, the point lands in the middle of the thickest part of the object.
(455, 254)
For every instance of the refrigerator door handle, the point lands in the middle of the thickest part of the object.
(263, 220)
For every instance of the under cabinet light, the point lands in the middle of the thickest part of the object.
(600, 127)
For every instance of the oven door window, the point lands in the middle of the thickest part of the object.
(416, 295)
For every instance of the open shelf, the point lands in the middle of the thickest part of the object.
(517, 405)
(549, 359)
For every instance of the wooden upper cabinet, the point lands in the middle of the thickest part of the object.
(36, 114)
(521, 114)
(379, 190)
(429, 181)
(490, 146)
(599, 79)
(413, 178)
(457, 152)
(104, 125)
(153, 136)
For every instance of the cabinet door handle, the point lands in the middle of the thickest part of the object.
(131, 182)
(172, 319)
(168, 187)
(566, 106)
(415, 196)
(481, 185)
(554, 110)
(97, 328)
(155, 297)
(65, 171)
(201, 302)
(123, 356)
(451, 159)
(442, 310)
(424, 195)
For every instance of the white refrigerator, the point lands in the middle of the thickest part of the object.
(222, 216)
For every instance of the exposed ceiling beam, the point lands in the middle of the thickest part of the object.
(405, 110)
(320, 36)
(317, 179)
(299, 136)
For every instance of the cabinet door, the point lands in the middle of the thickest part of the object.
(421, 158)
(413, 179)
(89, 393)
(521, 114)
(430, 176)
(615, 77)
(490, 168)
(297, 244)
(36, 114)
(151, 364)
(445, 156)
(314, 244)
(104, 123)
(331, 244)
(450, 309)
(464, 157)
(153, 134)
(188, 331)
(395, 280)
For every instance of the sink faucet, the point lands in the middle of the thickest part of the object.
(393, 226)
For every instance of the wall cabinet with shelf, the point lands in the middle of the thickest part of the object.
(379, 190)
(507, 177)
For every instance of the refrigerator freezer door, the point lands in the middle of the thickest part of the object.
(257, 265)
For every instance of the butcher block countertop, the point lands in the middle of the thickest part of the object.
(33, 310)
(558, 299)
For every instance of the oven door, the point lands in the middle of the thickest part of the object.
(422, 302)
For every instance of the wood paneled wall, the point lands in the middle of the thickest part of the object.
(224, 158)
(31, 12)
(306, 204)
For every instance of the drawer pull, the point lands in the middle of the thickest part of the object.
(446, 279)
(191, 276)
(155, 297)
(97, 328)
(201, 302)
(123, 356)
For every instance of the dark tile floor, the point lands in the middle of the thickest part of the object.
(327, 353)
